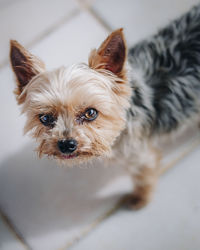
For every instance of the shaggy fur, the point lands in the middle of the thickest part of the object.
(152, 92)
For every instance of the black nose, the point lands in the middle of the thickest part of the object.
(67, 146)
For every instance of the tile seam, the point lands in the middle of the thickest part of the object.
(88, 7)
(45, 33)
(15, 232)
(85, 4)
(185, 152)
(164, 169)
(99, 19)
(88, 229)
(8, 3)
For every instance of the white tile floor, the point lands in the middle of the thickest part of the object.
(8, 240)
(54, 208)
(171, 221)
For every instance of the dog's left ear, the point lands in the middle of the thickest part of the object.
(111, 55)
(25, 66)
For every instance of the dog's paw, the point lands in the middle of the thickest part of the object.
(135, 201)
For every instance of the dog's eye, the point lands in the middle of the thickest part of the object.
(90, 114)
(47, 120)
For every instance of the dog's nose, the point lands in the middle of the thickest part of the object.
(67, 146)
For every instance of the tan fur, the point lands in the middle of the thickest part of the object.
(145, 181)
(66, 93)
(31, 64)
(98, 59)
(94, 139)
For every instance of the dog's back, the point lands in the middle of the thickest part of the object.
(169, 63)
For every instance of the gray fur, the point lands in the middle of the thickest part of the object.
(169, 64)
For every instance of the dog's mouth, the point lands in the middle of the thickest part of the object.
(75, 155)
(70, 156)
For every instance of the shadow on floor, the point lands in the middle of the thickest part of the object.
(40, 197)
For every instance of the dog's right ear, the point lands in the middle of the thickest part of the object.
(111, 55)
(25, 66)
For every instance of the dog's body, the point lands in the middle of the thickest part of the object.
(165, 78)
(115, 108)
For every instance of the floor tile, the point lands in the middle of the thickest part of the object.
(85, 3)
(171, 221)
(140, 18)
(8, 241)
(7, 3)
(71, 43)
(46, 202)
(41, 199)
(175, 147)
(28, 20)
(12, 122)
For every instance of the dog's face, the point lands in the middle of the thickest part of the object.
(75, 113)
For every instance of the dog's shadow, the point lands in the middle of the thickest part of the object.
(40, 197)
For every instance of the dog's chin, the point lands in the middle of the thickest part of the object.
(71, 159)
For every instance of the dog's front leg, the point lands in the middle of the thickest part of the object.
(144, 171)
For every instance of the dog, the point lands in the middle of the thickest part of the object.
(116, 106)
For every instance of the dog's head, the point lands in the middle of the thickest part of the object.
(75, 112)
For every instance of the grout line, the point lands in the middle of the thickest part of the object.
(85, 4)
(93, 225)
(54, 27)
(8, 3)
(14, 230)
(100, 20)
(185, 152)
(88, 229)
(88, 7)
(46, 32)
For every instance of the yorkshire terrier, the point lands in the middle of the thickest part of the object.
(119, 104)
